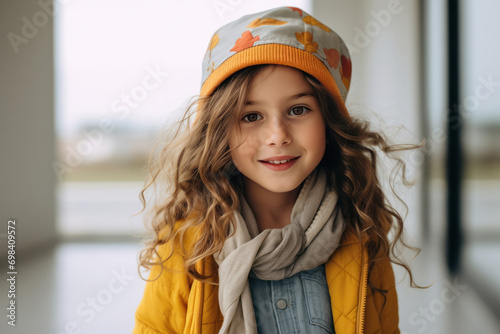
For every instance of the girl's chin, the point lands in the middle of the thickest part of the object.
(277, 188)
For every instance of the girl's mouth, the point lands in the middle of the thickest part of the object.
(279, 165)
(277, 162)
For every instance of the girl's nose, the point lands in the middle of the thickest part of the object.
(277, 134)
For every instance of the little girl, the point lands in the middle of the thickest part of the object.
(273, 219)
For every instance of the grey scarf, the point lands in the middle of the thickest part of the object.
(274, 254)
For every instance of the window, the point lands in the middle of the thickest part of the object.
(122, 69)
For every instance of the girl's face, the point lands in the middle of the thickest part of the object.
(281, 134)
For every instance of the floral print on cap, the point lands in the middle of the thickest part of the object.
(290, 26)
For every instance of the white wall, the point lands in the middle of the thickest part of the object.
(27, 182)
(383, 39)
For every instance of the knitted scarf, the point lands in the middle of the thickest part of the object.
(275, 254)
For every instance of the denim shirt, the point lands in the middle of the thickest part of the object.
(298, 304)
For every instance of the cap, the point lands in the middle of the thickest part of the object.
(284, 36)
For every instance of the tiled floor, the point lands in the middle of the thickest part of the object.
(94, 288)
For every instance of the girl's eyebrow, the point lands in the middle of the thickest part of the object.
(292, 97)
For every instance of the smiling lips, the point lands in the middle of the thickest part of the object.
(279, 163)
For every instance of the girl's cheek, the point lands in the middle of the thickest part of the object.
(248, 151)
(234, 139)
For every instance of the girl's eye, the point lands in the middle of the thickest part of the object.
(299, 110)
(252, 117)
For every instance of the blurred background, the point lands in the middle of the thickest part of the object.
(85, 87)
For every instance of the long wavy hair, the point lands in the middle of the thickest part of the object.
(197, 184)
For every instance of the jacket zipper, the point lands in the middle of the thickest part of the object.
(362, 294)
(198, 309)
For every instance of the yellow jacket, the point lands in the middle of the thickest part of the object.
(175, 303)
